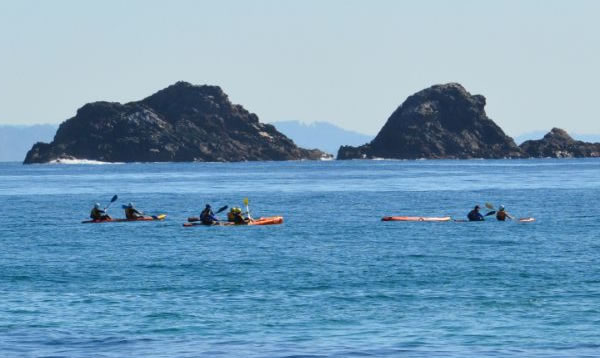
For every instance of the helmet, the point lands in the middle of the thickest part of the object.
(97, 205)
(237, 210)
(476, 206)
(130, 205)
(501, 207)
(208, 206)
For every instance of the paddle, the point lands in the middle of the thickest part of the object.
(247, 208)
(114, 198)
(491, 207)
(222, 209)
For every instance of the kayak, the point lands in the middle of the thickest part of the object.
(415, 218)
(272, 220)
(519, 220)
(145, 218)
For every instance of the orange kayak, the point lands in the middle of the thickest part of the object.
(272, 220)
(415, 218)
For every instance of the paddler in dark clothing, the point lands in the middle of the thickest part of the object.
(98, 213)
(207, 217)
(131, 213)
(475, 215)
(501, 215)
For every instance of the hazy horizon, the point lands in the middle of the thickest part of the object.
(350, 63)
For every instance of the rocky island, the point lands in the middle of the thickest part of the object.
(559, 144)
(180, 123)
(443, 121)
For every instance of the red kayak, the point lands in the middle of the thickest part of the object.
(272, 220)
(415, 218)
(145, 218)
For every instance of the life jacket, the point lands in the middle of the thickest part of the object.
(231, 216)
(239, 219)
(131, 213)
(206, 216)
(501, 215)
(474, 215)
(97, 214)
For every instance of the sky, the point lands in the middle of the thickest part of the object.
(351, 63)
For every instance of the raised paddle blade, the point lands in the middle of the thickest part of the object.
(246, 201)
(221, 209)
(489, 206)
(114, 198)
(490, 213)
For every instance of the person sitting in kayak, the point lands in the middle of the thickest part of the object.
(238, 218)
(231, 214)
(131, 213)
(475, 215)
(98, 213)
(501, 215)
(207, 217)
(235, 216)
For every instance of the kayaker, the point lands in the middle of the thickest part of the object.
(238, 218)
(231, 214)
(98, 213)
(207, 217)
(131, 213)
(475, 215)
(501, 215)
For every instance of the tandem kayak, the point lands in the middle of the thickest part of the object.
(272, 220)
(519, 220)
(145, 218)
(415, 218)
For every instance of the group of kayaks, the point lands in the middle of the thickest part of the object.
(276, 220)
(192, 221)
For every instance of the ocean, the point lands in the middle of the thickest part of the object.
(332, 281)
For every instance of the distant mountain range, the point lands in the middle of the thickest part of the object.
(321, 135)
(592, 138)
(15, 141)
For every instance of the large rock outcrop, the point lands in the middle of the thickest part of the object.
(443, 121)
(559, 144)
(180, 123)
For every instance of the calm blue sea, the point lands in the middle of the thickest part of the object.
(332, 281)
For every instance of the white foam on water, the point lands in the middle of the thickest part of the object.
(80, 161)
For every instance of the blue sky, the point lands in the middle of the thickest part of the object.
(350, 63)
